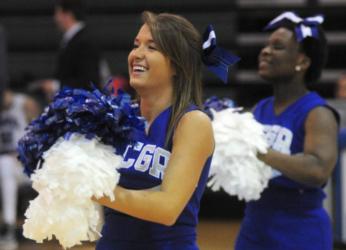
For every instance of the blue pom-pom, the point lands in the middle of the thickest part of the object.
(111, 118)
(217, 104)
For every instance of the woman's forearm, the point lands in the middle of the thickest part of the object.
(303, 168)
(151, 205)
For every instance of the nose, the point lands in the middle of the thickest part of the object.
(138, 52)
(265, 50)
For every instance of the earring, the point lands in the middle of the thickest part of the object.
(298, 68)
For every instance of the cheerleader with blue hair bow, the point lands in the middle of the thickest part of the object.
(301, 131)
(150, 176)
(164, 175)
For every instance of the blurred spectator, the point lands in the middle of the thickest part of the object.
(79, 58)
(3, 63)
(341, 87)
(18, 110)
(339, 102)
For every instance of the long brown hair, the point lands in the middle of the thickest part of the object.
(179, 40)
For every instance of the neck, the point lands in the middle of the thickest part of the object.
(69, 24)
(287, 91)
(8, 99)
(153, 104)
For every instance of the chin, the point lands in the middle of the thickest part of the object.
(265, 77)
(263, 74)
(136, 84)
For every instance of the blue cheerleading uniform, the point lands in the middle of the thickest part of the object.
(143, 167)
(289, 215)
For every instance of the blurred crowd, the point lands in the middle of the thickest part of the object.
(79, 64)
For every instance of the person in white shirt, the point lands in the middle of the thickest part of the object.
(17, 111)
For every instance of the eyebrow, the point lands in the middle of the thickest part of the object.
(150, 40)
(276, 40)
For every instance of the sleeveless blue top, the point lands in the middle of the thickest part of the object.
(289, 215)
(143, 167)
(285, 132)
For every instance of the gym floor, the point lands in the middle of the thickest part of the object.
(212, 235)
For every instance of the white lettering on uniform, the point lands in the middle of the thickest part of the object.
(143, 161)
(129, 162)
(158, 168)
(150, 156)
(280, 139)
(283, 141)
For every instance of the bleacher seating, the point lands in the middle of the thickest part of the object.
(33, 38)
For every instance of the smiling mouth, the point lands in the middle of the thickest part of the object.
(263, 62)
(138, 69)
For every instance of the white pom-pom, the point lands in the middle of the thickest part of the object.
(73, 171)
(235, 166)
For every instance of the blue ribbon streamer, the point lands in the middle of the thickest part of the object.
(215, 58)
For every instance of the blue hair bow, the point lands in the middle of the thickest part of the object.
(215, 58)
(304, 27)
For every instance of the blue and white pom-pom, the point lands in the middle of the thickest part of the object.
(238, 138)
(71, 153)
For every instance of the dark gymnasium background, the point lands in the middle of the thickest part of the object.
(32, 42)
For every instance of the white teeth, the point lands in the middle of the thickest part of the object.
(139, 68)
